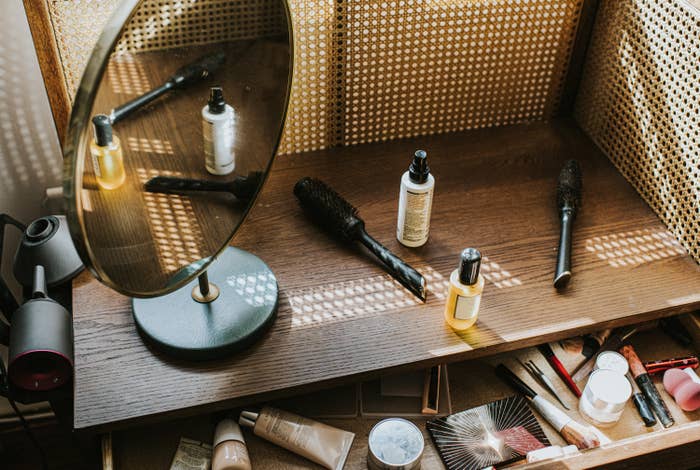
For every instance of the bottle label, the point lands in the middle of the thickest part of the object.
(417, 219)
(96, 166)
(466, 307)
(218, 145)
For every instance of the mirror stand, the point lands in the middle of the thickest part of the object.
(211, 319)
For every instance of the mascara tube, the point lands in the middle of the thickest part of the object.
(641, 403)
(645, 383)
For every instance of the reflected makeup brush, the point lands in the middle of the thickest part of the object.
(182, 78)
(569, 202)
(330, 211)
(242, 187)
(583, 437)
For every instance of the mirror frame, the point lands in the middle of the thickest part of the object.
(75, 145)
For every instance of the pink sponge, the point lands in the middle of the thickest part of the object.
(682, 387)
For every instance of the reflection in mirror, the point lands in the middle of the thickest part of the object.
(184, 125)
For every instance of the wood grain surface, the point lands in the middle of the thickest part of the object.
(150, 447)
(342, 319)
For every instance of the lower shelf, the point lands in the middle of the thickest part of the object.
(472, 383)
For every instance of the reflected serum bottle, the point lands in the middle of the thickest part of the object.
(464, 295)
(106, 151)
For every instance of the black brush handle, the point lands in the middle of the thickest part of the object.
(643, 409)
(241, 187)
(402, 272)
(514, 381)
(562, 273)
(130, 107)
(182, 78)
(175, 184)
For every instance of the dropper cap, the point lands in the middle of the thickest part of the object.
(102, 128)
(469, 265)
(217, 104)
(419, 169)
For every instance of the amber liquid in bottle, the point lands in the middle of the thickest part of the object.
(108, 163)
(106, 151)
(464, 294)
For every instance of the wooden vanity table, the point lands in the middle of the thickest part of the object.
(342, 319)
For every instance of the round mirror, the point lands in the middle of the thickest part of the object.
(174, 128)
(144, 203)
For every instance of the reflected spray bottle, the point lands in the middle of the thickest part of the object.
(106, 151)
(218, 129)
(464, 295)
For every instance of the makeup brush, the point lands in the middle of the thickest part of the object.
(182, 78)
(330, 211)
(569, 202)
(583, 437)
(241, 187)
(546, 350)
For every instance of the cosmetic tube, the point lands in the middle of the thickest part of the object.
(318, 442)
(230, 452)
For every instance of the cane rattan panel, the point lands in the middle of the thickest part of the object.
(640, 101)
(370, 70)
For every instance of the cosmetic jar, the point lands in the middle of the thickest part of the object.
(612, 360)
(604, 397)
(395, 444)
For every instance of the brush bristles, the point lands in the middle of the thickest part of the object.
(328, 208)
(569, 186)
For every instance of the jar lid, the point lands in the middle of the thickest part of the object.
(612, 360)
(395, 443)
(607, 390)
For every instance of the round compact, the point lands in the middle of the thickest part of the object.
(604, 397)
(395, 444)
(611, 360)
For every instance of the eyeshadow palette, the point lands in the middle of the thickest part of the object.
(498, 432)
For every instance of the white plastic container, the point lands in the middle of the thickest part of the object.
(415, 202)
(604, 397)
(218, 131)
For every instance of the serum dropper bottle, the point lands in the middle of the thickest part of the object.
(106, 152)
(415, 202)
(464, 295)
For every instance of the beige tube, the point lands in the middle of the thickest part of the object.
(318, 442)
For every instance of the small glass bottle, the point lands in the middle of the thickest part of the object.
(107, 158)
(464, 295)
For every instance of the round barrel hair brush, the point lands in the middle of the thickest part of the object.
(329, 210)
(569, 202)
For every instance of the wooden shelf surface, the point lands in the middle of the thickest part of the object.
(342, 319)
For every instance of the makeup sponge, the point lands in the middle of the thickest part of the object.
(682, 387)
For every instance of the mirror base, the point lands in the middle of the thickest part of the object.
(246, 307)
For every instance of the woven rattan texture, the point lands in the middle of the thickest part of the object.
(640, 102)
(371, 70)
